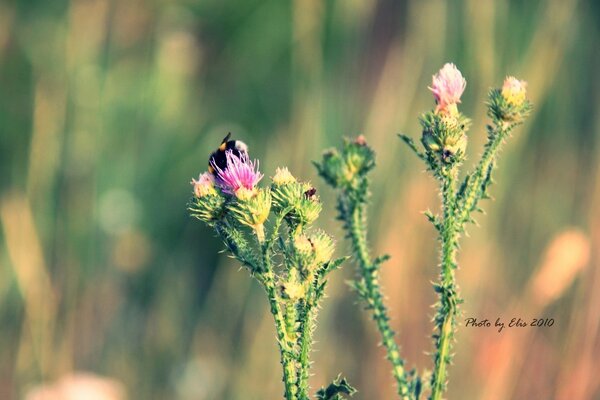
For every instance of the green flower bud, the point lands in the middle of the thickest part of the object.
(209, 208)
(509, 104)
(444, 137)
(345, 169)
(304, 250)
(299, 199)
(323, 247)
(208, 203)
(252, 208)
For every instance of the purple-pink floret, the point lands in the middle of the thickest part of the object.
(447, 86)
(240, 172)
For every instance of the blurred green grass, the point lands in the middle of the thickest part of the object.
(107, 109)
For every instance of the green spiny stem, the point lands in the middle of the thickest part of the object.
(372, 295)
(446, 316)
(288, 359)
(307, 326)
(474, 190)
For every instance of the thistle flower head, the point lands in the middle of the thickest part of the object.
(252, 207)
(509, 103)
(444, 138)
(283, 177)
(240, 173)
(447, 86)
(323, 247)
(204, 186)
(303, 246)
(347, 168)
(514, 91)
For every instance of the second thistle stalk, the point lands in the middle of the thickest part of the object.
(370, 290)
(347, 170)
(446, 316)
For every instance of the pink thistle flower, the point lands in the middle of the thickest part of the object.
(447, 87)
(241, 173)
(204, 186)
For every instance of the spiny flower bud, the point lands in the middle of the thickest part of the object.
(345, 169)
(444, 137)
(204, 186)
(514, 91)
(509, 104)
(323, 247)
(208, 204)
(300, 201)
(309, 207)
(283, 177)
(448, 86)
(303, 247)
(252, 209)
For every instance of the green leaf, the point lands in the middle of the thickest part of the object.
(411, 143)
(336, 390)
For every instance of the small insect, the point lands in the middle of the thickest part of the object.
(218, 157)
(310, 193)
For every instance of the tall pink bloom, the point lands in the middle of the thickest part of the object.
(447, 87)
(240, 173)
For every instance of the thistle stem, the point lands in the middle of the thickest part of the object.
(446, 317)
(307, 318)
(288, 360)
(287, 357)
(475, 190)
(260, 233)
(372, 295)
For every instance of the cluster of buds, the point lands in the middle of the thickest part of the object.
(232, 195)
(347, 169)
(444, 128)
(509, 104)
(232, 191)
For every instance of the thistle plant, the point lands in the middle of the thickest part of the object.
(444, 140)
(268, 230)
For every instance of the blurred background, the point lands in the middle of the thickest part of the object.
(108, 109)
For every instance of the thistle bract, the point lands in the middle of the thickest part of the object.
(444, 138)
(283, 177)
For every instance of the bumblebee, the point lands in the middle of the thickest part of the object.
(218, 158)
